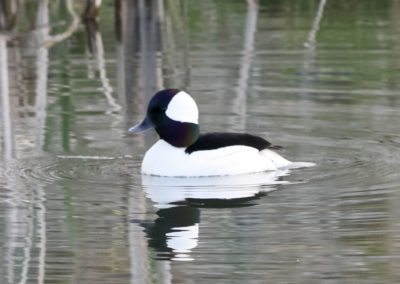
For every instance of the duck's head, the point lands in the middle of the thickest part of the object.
(174, 115)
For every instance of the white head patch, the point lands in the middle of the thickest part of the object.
(183, 108)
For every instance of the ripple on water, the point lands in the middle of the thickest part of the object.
(88, 169)
(354, 163)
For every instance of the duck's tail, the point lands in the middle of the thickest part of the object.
(282, 163)
(296, 165)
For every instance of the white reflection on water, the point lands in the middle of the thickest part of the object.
(42, 66)
(176, 230)
(96, 46)
(26, 212)
(311, 42)
(240, 101)
(182, 240)
(5, 101)
(165, 191)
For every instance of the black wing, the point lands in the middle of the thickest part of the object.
(212, 141)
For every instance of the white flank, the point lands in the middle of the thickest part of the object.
(165, 160)
(183, 108)
(162, 159)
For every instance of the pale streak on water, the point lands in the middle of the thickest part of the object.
(320, 78)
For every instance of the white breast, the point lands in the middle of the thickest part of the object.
(165, 160)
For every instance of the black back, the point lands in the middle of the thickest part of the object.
(212, 141)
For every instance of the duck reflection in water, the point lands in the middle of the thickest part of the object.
(174, 234)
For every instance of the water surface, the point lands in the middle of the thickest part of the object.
(320, 78)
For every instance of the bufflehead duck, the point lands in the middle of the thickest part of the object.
(182, 151)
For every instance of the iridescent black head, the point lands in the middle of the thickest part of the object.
(174, 115)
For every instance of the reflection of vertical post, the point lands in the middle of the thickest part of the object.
(310, 44)
(7, 20)
(144, 56)
(8, 140)
(28, 243)
(395, 243)
(174, 33)
(127, 81)
(118, 19)
(240, 103)
(42, 22)
(127, 50)
(150, 43)
(11, 235)
(101, 66)
(95, 43)
(8, 11)
(8, 146)
(140, 36)
(138, 250)
(139, 31)
(394, 84)
(120, 8)
(41, 220)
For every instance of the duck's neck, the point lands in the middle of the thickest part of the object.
(179, 134)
